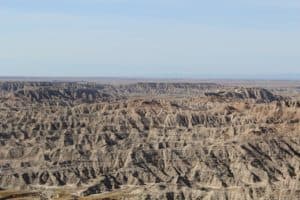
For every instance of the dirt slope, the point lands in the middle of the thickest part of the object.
(147, 141)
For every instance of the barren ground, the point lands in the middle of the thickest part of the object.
(150, 140)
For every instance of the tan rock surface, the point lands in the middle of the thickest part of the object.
(148, 141)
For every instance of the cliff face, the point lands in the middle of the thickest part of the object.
(131, 146)
(258, 94)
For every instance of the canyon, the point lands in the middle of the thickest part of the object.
(149, 140)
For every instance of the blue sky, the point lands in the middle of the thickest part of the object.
(150, 38)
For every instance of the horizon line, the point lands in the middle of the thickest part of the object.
(244, 77)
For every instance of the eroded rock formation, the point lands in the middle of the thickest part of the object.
(119, 141)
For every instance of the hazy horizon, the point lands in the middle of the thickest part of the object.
(156, 39)
(277, 77)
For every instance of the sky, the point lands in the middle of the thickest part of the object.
(150, 38)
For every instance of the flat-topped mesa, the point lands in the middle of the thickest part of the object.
(91, 92)
(58, 91)
(167, 87)
(161, 85)
(258, 94)
(47, 94)
(13, 86)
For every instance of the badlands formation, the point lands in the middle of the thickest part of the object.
(76, 140)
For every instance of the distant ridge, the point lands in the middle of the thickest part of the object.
(167, 78)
